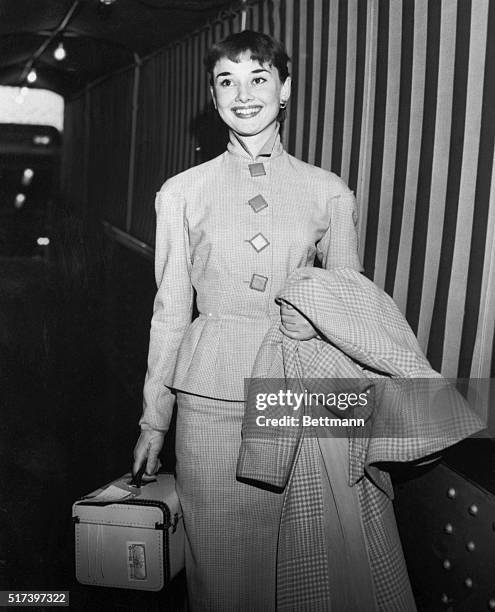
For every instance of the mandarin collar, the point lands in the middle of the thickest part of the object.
(272, 147)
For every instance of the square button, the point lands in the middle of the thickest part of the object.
(258, 203)
(257, 169)
(258, 242)
(258, 282)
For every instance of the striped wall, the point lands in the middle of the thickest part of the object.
(393, 95)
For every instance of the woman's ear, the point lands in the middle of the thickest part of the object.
(212, 92)
(285, 91)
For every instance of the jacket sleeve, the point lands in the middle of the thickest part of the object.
(172, 308)
(338, 247)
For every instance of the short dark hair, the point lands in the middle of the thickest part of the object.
(264, 49)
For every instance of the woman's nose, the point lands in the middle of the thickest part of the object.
(244, 93)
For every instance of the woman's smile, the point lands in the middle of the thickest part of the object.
(246, 112)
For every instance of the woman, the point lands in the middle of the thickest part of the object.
(233, 229)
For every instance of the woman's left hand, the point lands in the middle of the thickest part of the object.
(294, 324)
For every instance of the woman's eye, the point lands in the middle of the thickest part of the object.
(225, 83)
(259, 80)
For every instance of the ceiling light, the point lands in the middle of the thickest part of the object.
(21, 95)
(20, 198)
(43, 241)
(32, 76)
(27, 176)
(41, 140)
(60, 54)
(107, 2)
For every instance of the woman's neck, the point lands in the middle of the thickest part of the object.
(255, 143)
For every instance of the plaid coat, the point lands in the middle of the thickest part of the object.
(416, 412)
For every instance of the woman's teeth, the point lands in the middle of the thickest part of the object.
(247, 112)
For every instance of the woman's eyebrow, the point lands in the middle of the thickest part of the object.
(255, 71)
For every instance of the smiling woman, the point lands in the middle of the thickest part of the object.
(248, 97)
(233, 229)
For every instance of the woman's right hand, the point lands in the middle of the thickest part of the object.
(147, 449)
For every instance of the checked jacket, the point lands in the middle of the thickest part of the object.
(415, 413)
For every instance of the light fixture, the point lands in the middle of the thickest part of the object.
(27, 177)
(42, 140)
(32, 76)
(20, 198)
(107, 2)
(43, 241)
(21, 95)
(60, 53)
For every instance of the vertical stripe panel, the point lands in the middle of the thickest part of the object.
(263, 17)
(302, 70)
(269, 18)
(189, 74)
(166, 109)
(378, 136)
(308, 90)
(340, 88)
(437, 331)
(329, 98)
(362, 190)
(177, 111)
(484, 343)
(287, 29)
(316, 24)
(255, 17)
(398, 196)
(361, 39)
(415, 130)
(425, 165)
(467, 188)
(481, 291)
(277, 18)
(297, 83)
(238, 23)
(389, 142)
(349, 89)
(203, 79)
(438, 191)
(322, 80)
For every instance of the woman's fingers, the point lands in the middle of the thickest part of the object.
(294, 324)
(290, 333)
(294, 318)
(299, 334)
(289, 322)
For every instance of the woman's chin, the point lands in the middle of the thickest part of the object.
(246, 128)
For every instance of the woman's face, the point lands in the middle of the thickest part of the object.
(248, 94)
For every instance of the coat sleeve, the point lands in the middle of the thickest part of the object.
(338, 247)
(172, 308)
